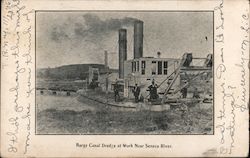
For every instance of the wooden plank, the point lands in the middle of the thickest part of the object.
(196, 68)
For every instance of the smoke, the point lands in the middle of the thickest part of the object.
(95, 29)
(58, 34)
(90, 29)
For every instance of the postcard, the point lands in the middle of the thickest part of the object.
(102, 78)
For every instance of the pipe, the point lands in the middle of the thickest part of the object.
(122, 51)
(138, 39)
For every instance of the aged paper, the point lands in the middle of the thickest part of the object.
(141, 78)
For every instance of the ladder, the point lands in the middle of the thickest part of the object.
(177, 73)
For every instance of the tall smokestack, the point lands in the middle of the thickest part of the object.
(122, 51)
(138, 39)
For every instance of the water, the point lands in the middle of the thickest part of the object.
(60, 102)
(113, 120)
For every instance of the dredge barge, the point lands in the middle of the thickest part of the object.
(161, 81)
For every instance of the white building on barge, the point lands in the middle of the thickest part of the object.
(169, 74)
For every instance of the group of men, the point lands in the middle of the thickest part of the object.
(136, 91)
(152, 92)
(153, 95)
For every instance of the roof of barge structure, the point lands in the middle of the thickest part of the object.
(152, 58)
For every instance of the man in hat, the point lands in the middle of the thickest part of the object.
(116, 91)
(153, 91)
(136, 92)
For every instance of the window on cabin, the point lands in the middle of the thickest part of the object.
(133, 66)
(138, 66)
(159, 67)
(153, 67)
(165, 67)
(143, 66)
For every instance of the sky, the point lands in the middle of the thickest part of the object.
(64, 38)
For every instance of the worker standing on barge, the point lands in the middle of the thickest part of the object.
(136, 92)
(116, 91)
(153, 91)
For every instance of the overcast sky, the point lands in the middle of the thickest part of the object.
(64, 38)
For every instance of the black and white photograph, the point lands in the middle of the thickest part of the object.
(124, 72)
(123, 78)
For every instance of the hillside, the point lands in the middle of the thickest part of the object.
(77, 71)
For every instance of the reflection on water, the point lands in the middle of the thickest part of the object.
(60, 102)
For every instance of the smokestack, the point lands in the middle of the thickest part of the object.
(122, 51)
(138, 39)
